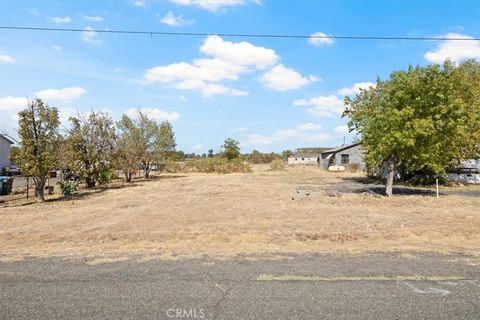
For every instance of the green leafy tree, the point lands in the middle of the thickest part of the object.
(210, 153)
(286, 154)
(256, 157)
(156, 140)
(419, 119)
(90, 147)
(231, 149)
(14, 154)
(38, 131)
(165, 143)
(128, 147)
(176, 156)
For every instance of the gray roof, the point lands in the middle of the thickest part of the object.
(305, 155)
(344, 147)
(9, 139)
(318, 150)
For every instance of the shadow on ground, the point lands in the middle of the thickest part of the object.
(86, 193)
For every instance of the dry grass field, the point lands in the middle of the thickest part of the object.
(222, 216)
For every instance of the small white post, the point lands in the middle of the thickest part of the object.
(436, 181)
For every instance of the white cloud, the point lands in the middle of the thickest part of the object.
(318, 137)
(65, 94)
(258, 140)
(304, 132)
(455, 50)
(94, 18)
(355, 89)
(90, 36)
(12, 103)
(309, 126)
(281, 78)
(58, 48)
(320, 39)
(240, 53)
(6, 58)
(202, 69)
(64, 114)
(174, 21)
(228, 61)
(198, 147)
(342, 129)
(241, 129)
(209, 89)
(322, 106)
(139, 3)
(60, 20)
(33, 12)
(213, 5)
(155, 114)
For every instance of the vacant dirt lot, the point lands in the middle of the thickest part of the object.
(226, 215)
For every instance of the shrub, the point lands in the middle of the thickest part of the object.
(277, 164)
(353, 167)
(68, 187)
(106, 175)
(217, 165)
(173, 167)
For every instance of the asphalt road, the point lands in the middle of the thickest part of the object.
(374, 286)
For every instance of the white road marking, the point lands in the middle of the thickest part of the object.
(430, 290)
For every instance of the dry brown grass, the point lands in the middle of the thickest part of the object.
(227, 215)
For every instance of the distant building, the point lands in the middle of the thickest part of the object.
(347, 155)
(304, 158)
(5, 144)
(309, 156)
(468, 172)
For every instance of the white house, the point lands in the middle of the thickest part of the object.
(346, 155)
(5, 144)
(469, 172)
(304, 158)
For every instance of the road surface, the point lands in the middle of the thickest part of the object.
(370, 286)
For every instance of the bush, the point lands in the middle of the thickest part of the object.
(277, 164)
(172, 167)
(68, 187)
(216, 165)
(208, 165)
(353, 167)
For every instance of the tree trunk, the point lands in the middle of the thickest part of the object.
(40, 190)
(390, 176)
(146, 170)
(128, 177)
(90, 182)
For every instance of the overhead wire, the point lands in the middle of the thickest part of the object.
(240, 35)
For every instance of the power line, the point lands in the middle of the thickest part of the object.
(238, 35)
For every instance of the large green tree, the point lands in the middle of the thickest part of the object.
(165, 143)
(128, 154)
(39, 135)
(419, 119)
(156, 141)
(231, 149)
(90, 147)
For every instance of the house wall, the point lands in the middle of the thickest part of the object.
(4, 153)
(293, 160)
(355, 156)
(468, 178)
(473, 178)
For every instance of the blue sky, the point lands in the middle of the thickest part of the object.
(270, 94)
